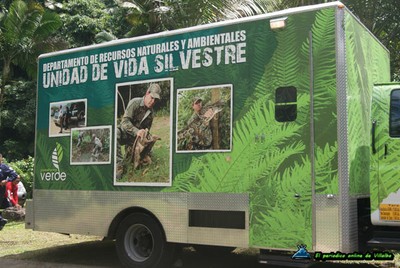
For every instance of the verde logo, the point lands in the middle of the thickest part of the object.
(54, 174)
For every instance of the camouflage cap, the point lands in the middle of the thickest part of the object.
(197, 99)
(155, 91)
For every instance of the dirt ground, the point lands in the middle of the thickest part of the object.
(54, 129)
(25, 248)
(20, 247)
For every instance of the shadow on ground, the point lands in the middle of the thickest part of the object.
(94, 254)
(103, 254)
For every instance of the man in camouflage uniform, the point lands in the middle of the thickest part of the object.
(137, 118)
(98, 146)
(197, 135)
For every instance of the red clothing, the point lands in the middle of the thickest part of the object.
(11, 193)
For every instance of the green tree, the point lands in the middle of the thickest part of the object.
(186, 13)
(25, 33)
(82, 20)
(26, 30)
(18, 128)
(151, 16)
(144, 16)
(382, 18)
(295, 3)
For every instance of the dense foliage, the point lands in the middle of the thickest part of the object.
(29, 28)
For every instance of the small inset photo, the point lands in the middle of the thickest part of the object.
(66, 115)
(204, 119)
(91, 145)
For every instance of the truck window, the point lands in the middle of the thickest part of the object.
(285, 104)
(394, 120)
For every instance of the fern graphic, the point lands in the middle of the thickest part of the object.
(366, 65)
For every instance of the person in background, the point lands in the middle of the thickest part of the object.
(197, 135)
(7, 174)
(98, 146)
(11, 194)
(80, 139)
(61, 118)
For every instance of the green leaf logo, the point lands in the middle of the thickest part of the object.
(57, 156)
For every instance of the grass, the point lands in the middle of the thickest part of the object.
(15, 239)
(20, 246)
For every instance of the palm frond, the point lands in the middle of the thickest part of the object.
(48, 24)
(104, 36)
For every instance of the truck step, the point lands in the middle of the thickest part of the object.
(384, 243)
(385, 238)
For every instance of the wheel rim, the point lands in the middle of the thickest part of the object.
(139, 242)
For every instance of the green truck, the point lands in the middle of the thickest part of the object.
(295, 144)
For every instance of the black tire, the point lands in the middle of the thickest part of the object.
(141, 243)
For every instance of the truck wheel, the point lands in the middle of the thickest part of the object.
(140, 242)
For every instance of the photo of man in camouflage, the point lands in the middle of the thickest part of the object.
(204, 119)
(136, 122)
(198, 135)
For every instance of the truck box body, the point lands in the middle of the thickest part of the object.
(291, 149)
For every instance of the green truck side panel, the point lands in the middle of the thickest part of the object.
(384, 168)
(367, 63)
(277, 169)
(325, 111)
(273, 169)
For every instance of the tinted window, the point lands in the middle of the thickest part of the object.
(394, 127)
(285, 104)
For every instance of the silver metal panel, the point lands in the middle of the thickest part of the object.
(327, 228)
(91, 213)
(345, 207)
(29, 214)
(218, 236)
(312, 137)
